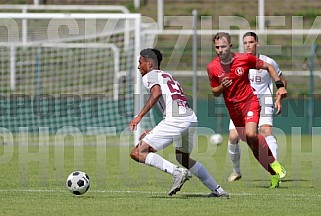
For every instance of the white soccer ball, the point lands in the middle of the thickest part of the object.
(216, 139)
(78, 182)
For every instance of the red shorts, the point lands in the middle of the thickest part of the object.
(244, 112)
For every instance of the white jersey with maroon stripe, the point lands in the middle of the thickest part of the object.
(173, 102)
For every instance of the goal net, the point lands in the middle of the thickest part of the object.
(76, 70)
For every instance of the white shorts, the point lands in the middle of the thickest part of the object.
(266, 117)
(166, 132)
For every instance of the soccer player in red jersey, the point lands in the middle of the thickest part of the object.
(228, 75)
(262, 82)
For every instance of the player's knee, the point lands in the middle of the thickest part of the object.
(134, 154)
(233, 136)
(251, 136)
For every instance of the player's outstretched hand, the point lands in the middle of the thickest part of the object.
(134, 122)
(278, 105)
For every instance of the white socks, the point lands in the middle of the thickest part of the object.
(235, 155)
(202, 174)
(157, 161)
(198, 170)
(271, 141)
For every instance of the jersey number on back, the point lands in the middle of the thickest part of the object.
(175, 88)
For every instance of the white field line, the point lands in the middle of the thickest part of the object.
(153, 192)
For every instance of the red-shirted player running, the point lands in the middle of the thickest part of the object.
(228, 75)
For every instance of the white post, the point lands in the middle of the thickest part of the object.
(36, 2)
(127, 34)
(261, 15)
(160, 14)
(117, 72)
(240, 35)
(24, 27)
(195, 87)
(137, 4)
(12, 67)
(138, 97)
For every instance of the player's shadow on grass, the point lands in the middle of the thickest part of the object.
(184, 196)
(295, 180)
(83, 197)
(282, 180)
(283, 184)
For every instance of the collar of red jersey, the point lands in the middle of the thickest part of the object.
(229, 62)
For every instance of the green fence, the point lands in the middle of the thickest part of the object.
(213, 114)
(295, 113)
(66, 110)
(70, 110)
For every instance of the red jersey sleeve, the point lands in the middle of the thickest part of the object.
(255, 63)
(214, 82)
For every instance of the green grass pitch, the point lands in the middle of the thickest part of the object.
(33, 181)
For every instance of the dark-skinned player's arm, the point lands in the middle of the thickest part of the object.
(155, 94)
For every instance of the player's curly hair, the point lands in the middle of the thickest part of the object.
(154, 54)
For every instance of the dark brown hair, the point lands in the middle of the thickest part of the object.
(154, 54)
(251, 34)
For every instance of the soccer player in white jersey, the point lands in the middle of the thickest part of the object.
(261, 81)
(178, 127)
